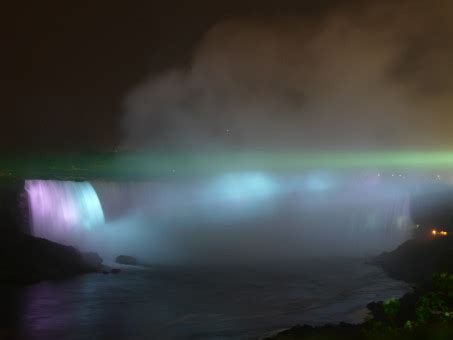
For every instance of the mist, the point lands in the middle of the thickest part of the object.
(367, 76)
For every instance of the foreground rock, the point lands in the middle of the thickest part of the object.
(124, 259)
(28, 259)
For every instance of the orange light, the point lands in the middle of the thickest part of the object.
(434, 232)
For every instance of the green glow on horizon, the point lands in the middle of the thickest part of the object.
(291, 161)
(181, 164)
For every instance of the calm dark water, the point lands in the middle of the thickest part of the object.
(165, 302)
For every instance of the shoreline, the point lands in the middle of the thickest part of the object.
(415, 262)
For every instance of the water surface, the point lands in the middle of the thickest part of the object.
(164, 302)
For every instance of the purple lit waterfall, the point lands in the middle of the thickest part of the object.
(62, 211)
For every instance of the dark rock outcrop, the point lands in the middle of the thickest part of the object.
(28, 259)
(124, 259)
(417, 260)
(13, 207)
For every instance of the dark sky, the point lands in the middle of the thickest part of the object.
(67, 67)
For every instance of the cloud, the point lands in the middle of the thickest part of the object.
(369, 76)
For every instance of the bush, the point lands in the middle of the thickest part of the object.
(433, 308)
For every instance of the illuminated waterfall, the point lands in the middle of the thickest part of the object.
(229, 217)
(63, 211)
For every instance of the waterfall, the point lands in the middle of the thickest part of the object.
(63, 211)
(230, 217)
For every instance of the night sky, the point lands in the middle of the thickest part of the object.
(103, 75)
